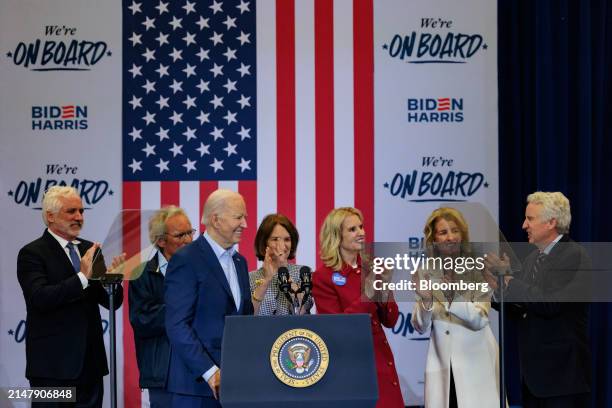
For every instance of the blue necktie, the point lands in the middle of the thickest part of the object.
(74, 257)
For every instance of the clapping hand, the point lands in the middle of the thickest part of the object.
(425, 294)
(117, 264)
(495, 265)
(87, 260)
(269, 265)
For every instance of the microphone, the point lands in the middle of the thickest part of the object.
(306, 278)
(305, 285)
(283, 279)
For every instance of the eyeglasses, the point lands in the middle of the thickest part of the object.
(182, 235)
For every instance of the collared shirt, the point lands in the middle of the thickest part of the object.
(225, 257)
(64, 244)
(162, 263)
(552, 244)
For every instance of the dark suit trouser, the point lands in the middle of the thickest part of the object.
(88, 395)
(192, 401)
(564, 401)
(159, 398)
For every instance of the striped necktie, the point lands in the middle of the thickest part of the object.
(535, 271)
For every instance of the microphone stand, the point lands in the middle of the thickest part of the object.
(304, 300)
(296, 303)
(111, 281)
(291, 302)
(289, 299)
(502, 332)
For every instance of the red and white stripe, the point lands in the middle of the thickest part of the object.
(443, 104)
(315, 112)
(315, 130)
(148, 197)
(68, 112)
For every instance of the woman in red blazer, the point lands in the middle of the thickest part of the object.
(337, 289)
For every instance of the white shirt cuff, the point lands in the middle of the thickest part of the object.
(83, 279)
(211, 371)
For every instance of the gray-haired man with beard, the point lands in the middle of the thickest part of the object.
(64, 344)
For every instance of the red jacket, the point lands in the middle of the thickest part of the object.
(331, 297)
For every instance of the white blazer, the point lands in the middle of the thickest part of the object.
(462, 338)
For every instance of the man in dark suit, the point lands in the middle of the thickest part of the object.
(169, 230)
(64, 343)
(206, 281)
(552, 329)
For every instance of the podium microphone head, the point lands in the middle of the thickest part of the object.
(283, 279)
(306, 278)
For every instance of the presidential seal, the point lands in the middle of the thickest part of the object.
(299, 358)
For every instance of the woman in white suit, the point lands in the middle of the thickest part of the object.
(462, 360)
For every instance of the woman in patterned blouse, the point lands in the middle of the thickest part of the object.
(276, 242)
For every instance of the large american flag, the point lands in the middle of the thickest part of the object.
(273, 99)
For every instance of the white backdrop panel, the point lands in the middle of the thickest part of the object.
(40, 145)
(425, 141)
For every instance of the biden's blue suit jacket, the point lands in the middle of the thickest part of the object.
(198, 298)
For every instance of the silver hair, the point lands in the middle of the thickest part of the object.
(157, 222)
(51, 200)
(554, 205)
(215, 203)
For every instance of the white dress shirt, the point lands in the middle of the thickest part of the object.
(225, 257)
(162, 263)
(64, 244)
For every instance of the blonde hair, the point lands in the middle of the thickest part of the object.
(454, 215)
(554, 205)
(448, 214)
(331, 236)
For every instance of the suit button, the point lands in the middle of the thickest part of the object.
(524, 315)
(447, 332)
(390, 363)
(395, 383)
(385, 341)
(358, 271)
